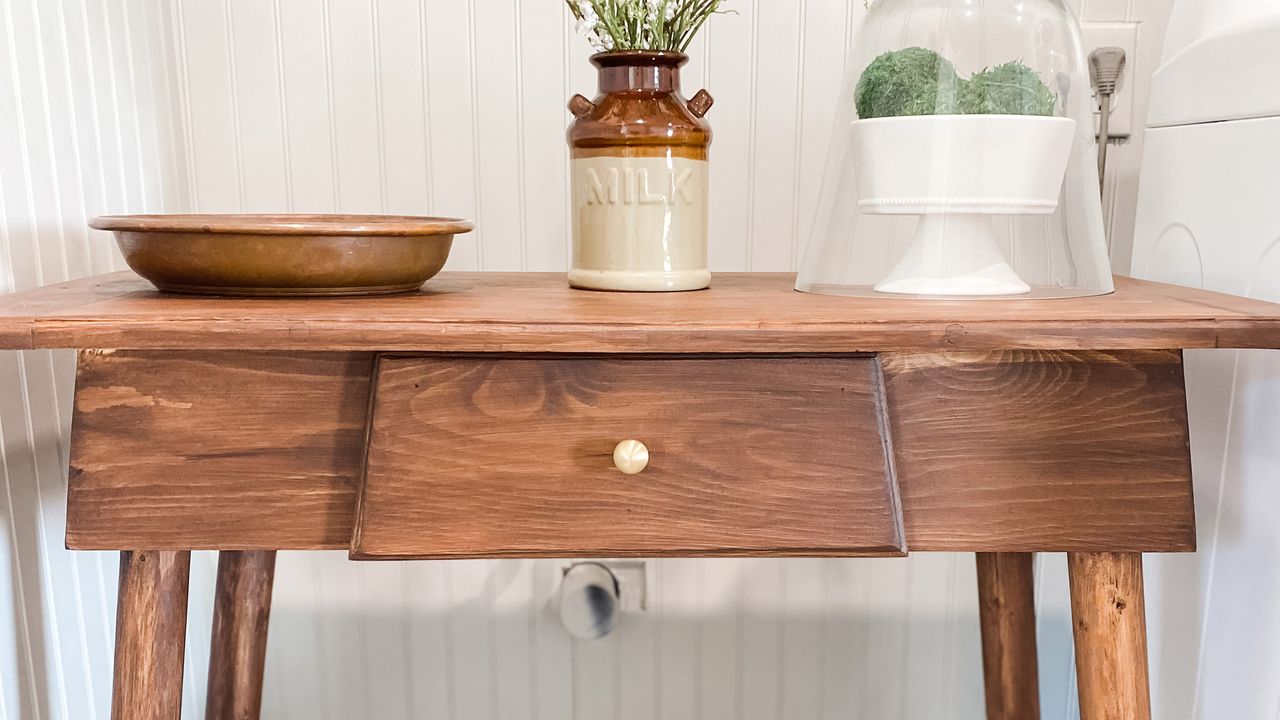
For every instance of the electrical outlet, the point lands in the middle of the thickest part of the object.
(633, 578)
(1122, 35)
(633, 583)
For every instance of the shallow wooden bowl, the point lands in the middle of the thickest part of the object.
(284, 255)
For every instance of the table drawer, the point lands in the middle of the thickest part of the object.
(511, 457)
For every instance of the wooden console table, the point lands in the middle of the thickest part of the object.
(479, 419)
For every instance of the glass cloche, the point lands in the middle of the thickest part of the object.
(964, 162)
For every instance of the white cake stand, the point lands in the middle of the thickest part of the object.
(956, 172)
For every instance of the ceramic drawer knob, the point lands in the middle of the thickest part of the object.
(631, 457)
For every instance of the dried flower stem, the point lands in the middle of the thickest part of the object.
(667, 25)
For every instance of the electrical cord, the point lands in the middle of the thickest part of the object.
(1106, 66)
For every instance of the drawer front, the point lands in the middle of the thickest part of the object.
(512, 457)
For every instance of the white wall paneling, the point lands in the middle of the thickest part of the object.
(451, 107)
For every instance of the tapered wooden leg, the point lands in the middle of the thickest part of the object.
(1006, 607)
(151, 632)
(238, 649)
(1111, 635)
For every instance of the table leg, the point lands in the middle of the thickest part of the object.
(1111, 635)
(1006, 608)
(151, 632)
(238, 648)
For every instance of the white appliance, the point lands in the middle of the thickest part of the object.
(1209, 217)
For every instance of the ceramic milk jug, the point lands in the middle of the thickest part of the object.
(639, 174)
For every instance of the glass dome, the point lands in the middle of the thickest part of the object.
(963, 161)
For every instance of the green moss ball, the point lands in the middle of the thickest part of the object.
(911, 81)
(1008, 89)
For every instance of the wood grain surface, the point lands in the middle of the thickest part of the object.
(1042, 451)
(238, 646)
(1007, 613)
(151, 627)
(1108, 612)
(233, 451)
(527, 312)
(1017, 451)
(479, 457)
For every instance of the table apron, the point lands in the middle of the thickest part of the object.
(991, 451)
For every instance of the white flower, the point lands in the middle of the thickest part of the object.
(641, 24)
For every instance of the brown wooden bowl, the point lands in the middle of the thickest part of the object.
(284, 255)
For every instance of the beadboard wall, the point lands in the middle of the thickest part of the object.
(452, 107)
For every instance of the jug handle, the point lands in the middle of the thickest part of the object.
(701, 103)
(580, 106)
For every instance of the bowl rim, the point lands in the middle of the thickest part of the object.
(285, 224)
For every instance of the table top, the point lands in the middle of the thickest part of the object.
(538, 312)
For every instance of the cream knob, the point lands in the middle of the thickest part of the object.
(631, 457)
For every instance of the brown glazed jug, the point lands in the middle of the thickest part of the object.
(639, 172)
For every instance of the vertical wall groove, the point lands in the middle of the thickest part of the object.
(282, 89)
(143, 178)
(229, 25)
(753, 109)
(333, 116)
(475, 128)
(517, 32)
(77, 163)
(184, 92)
(115, 110)
(799, 135)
